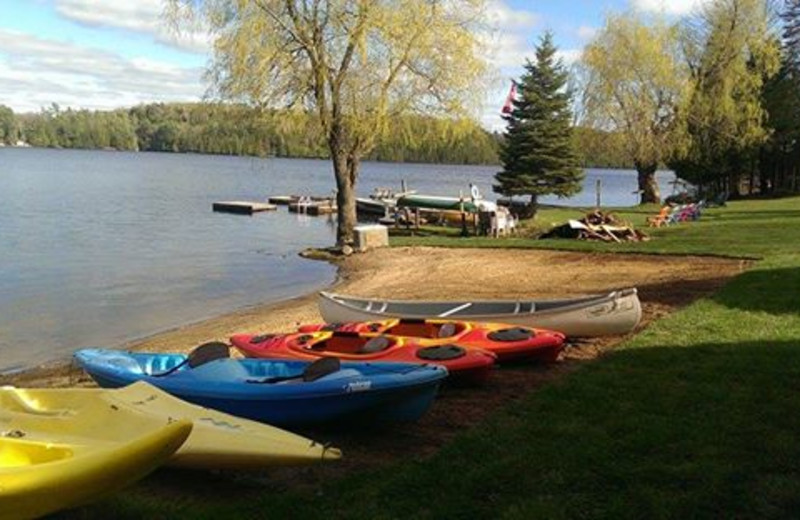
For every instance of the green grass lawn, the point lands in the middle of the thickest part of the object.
(741, 229)
(698, 416)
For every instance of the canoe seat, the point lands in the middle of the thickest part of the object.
(377, 344)
(441, 353)
(509, 335)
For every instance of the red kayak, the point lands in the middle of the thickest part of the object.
(470, 365)
(508, 342)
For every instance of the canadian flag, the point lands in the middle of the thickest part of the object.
(508, 106)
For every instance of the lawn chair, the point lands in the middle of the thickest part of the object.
(660, 219)
(687, 213)
(698, 210)
(718, 201)
(676, 214)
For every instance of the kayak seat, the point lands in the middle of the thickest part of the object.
(208, 352)
(446, 330)
(330, 327)
(374, 345)
(261, 338)
(509, 335)
(321, 368)
(201, 355)
(441, 353)
(304, 338)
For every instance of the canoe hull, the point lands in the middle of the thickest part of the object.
(604, 315)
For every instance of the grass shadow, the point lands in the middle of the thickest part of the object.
(708, 431)
(775, 291)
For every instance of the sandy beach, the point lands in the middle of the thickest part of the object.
(664, 283)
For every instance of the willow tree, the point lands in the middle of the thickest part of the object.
(634, 81)
(731, 49)
(355, 64)
(8, 126)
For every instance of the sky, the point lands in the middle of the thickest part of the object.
(104, 54)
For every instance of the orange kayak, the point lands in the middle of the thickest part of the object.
(470, 365)
(508, 342)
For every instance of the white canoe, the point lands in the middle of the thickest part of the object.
(617, 312)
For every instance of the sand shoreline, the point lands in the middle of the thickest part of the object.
(665, 283)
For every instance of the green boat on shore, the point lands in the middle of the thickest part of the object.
(434, 202)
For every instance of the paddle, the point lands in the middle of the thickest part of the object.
(200, 356)
(319, 368)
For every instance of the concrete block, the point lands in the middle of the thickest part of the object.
(371, 236)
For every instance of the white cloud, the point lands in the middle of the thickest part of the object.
(672, 7)
(586, 33)
(504, 18)
(511, 32)
(143, 16)
(35, 72)
(569, 56)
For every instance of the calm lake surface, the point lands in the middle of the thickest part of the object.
(99, 248)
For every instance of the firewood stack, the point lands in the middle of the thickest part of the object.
(598, 225)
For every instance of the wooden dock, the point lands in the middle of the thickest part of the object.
(313, 208)
(283, 200)
(242, 207)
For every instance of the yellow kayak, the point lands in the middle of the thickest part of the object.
(218, 440)
(64, 461)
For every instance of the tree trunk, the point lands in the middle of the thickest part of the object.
(345, 168)
(533, 206)
(648, 187)
(346, 171)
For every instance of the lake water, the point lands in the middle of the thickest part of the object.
(99, 248)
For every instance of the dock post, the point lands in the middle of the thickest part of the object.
(598, 188)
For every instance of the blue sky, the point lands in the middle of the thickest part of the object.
(102, 54)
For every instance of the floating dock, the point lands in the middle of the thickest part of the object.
(242, 207)
(313, 208)
(283, 200)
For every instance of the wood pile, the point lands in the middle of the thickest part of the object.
(598, 225)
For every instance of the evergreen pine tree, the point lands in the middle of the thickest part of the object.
(537, 153)
(791, 34)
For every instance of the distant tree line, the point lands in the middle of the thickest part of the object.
(231, 129)
(239, 130)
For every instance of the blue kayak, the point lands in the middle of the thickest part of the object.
(276, 391)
